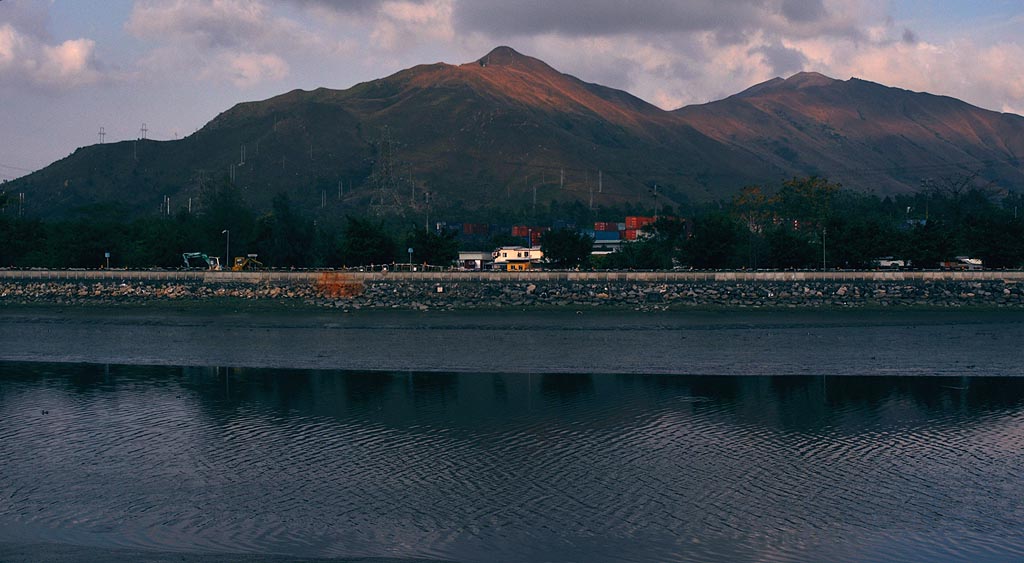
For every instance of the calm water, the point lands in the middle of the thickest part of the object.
(481, 467)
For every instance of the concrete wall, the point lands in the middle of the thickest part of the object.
(275, 277)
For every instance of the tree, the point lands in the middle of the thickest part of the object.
(789, 249)
(715, 242)
(284, 237)
(366, 242)
(429, 247)
(808, 200)
(929, 244)
(753, 207)
(566, 248)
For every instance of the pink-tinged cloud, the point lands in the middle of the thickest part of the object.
(248, 69)
(25, 60)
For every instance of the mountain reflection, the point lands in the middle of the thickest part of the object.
(460, 466)
(794, 403)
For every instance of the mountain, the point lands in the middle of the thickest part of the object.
(864, 134)
(507, 130)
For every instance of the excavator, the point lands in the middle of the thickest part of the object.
(247, 262)
(200, 261)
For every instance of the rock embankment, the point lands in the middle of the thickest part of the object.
(427, 295)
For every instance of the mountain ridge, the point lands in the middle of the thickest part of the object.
(507, 129)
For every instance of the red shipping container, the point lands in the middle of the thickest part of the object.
(475, 228)
(606, 226)
(629, 234)
(637, 222)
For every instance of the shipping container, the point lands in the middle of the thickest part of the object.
(637, 222)
(606, 226)
(629, 234)
(606, 236)
(475, 228)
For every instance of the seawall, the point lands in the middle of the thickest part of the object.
(522, 290)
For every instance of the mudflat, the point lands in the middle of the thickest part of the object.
(681, 342)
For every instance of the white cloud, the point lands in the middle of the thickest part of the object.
(247, 69)
(26, 60)
(243, 40)
(401, 25)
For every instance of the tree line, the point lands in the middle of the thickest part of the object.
(802, 223)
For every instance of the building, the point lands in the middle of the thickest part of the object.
(516, 258)
(475, 260)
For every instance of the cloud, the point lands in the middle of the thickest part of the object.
(26, 60)
(404, 24)
(989, 76)
(242, 41)
(248, 69)
(614, 17)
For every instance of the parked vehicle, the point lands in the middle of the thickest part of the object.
(963, 263)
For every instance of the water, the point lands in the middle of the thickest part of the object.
(508, 467)
(706, 343)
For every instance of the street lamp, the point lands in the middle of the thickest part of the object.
(227, 248)
(824, 231)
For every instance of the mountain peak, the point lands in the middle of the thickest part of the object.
(503, 56)
(809, 80)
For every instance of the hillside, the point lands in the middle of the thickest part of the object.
(507, 128)
(864, 134)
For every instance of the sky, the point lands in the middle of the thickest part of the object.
(70, 67)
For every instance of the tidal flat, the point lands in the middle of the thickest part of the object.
(667, 342)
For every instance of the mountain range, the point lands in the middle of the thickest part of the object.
(508, 131)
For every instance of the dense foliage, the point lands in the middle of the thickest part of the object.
(804, 223)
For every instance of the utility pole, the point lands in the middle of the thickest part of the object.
(561, 178)
(144, 130)
(103, 135)
(590, 188)
(426, 222)
(600, 181)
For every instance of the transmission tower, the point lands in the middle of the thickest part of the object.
(386, 178)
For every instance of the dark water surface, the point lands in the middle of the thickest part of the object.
(696, 343)
(482, 467)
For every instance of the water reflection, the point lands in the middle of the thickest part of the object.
(512, 467)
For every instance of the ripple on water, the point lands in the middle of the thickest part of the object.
(619, 468)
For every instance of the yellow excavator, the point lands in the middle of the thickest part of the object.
(246, 263)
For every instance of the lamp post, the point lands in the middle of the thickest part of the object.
(227, 248)
(824, 231)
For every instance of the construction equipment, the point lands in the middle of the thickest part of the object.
(248, 262)
(200, 261)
